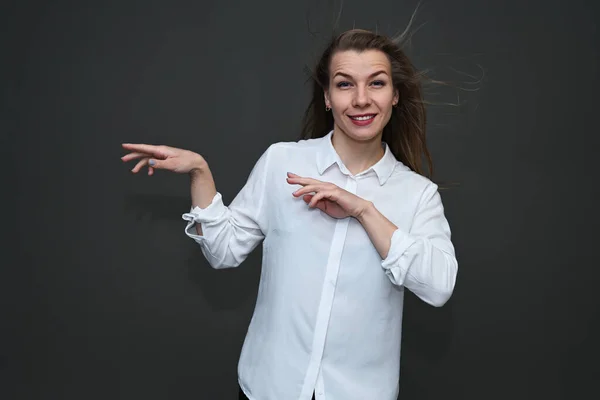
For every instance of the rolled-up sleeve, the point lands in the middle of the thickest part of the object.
(423, 260)
(230, 233)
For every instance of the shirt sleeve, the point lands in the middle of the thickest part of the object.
(230, 233)
(423, 259)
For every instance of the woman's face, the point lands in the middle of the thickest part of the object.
(360, 94)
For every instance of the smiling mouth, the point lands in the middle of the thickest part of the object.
(364, 117)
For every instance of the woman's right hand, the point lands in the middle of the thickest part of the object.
(163, 157)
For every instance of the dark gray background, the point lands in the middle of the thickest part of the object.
(102, 294)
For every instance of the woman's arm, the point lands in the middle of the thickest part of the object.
(227, 234)
(202, 188)
(378, 227)
(423, 259)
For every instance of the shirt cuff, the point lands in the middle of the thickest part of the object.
(392, 266)
(211, 213)
(208, 216)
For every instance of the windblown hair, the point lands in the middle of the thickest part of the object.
(405, 133)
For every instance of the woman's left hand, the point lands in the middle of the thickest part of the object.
(329, 198)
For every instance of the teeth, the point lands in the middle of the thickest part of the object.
(362, 118)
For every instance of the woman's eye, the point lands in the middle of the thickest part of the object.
(345, 84)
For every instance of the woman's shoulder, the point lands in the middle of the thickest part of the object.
(290, 148)
(407, 177)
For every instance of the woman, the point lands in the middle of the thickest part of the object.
(347, 220)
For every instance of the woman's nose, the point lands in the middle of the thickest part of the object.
(361, 97)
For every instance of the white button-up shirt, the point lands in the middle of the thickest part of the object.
(328, 316)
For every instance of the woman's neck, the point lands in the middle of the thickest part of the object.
(357, 156)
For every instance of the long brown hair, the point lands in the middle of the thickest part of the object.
(405, 132)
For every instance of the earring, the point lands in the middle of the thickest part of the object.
(327, 108)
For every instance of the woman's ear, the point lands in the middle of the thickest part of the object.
(326, 97)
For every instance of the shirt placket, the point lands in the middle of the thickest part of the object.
(314, 378)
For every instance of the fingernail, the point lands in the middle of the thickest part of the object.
(151, 162)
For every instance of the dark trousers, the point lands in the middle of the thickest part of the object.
(243, 396)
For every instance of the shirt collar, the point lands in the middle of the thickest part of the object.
(327, 156)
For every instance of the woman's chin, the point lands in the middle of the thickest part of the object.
(362, 133)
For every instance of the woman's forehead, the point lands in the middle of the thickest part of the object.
(359, 62)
